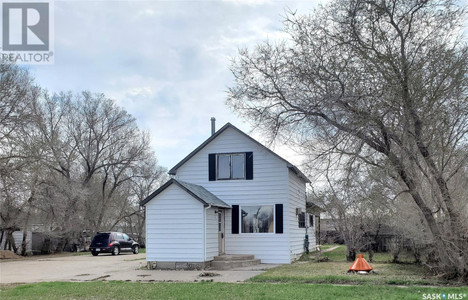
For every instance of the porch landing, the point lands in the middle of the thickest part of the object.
(231, 261)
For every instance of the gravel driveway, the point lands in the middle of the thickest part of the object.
(126, 266)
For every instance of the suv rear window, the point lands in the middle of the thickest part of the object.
(101, 238)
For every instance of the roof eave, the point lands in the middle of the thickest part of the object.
(173, 171)
(155, 193)
(216, 205)
(298, 173)
(171, 181)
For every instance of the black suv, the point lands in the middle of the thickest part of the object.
(112, 242)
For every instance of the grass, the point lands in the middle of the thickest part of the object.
(129, 290)
(339, 255)
(335, 272)
(307, 270)
(305, 279)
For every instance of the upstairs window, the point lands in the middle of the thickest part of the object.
(231, 166)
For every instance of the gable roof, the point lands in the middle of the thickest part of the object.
(314, 208)
(292, 167)
(196, 191)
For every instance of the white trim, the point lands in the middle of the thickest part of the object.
(230, 165)
(146, 231)
(204, 231)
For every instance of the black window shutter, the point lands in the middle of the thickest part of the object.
(249, 165)
(235, 219)
(212, 167)
(279, 218)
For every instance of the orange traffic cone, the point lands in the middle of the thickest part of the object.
(360, 264)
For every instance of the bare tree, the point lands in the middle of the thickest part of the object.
(93, 151)
(110, 147)
(141, 187)
(356, 202)
(18, 95)
(68, 163)
(383, 81)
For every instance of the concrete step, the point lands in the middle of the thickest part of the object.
(231, 257)
(231, 264)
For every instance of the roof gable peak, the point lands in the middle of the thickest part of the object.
(173, 171)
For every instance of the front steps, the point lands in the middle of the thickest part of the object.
(231, 261)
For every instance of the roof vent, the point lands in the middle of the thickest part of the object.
(213, 125)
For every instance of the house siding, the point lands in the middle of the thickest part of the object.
(312, 234)
(270, 186)
(175, 227)
(18, 237)
(297, 199)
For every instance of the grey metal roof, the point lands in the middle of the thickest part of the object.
(203, 194)
(196, 191)
(292, 167)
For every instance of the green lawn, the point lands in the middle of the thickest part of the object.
(128, 290)
(306, 279)
(339, 254)
(308, 270)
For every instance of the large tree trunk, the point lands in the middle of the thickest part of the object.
(10, 241)
(63, 242)
(351, 256)
(450, 259)
(24, 243)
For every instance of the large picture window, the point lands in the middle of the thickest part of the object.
(231, 166)
(257, 219)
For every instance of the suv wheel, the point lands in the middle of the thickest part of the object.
(94, 253)
(135, 249)
(116, 250)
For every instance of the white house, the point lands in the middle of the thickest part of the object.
(231, 195)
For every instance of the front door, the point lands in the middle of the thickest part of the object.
(221, 234)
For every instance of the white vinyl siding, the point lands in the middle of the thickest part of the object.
(211, 233)
(269, 186)
(297, 200)
(175, 227)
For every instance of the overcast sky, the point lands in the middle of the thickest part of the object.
(165, 62)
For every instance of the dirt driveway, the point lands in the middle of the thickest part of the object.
(126, 266)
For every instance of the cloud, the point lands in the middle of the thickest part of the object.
(165, 62)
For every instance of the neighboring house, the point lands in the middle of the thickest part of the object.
(314, 212)
(38, 243)
(380, 237)
(231, 195)
(18, 237)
